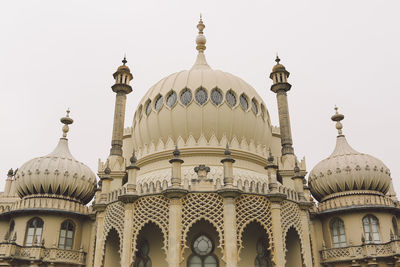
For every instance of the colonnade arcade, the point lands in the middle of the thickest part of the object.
(203, 229)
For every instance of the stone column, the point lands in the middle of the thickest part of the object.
(279, 254)
(126, 256)
(175, 221)
(121, 87)
(229, 192)
(305, 225)
(175, 193)
(99, 255)
(9, 181)
(231, 249)
(118, 126)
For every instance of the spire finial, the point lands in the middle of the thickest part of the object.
(124, 61)
(277, 60)
(66, 121)
(227, 151)
(338, 117)
(176, 152)
(270, 156)
(201, 39)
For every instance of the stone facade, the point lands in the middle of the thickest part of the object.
(201, 178)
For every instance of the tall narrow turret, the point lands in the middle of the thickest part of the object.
(280, 86)
(121, 87)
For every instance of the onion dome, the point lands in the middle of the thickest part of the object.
(201, 107)
(57, 174)
(347, 171)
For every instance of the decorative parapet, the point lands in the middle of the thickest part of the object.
(351, 253)
(49, 203)
(356, 200)
(12, 251)
(151, 188)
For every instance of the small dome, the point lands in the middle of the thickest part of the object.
(347, 170)
(278, 66)
(58, 173)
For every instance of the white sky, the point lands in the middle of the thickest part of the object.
(59, 54)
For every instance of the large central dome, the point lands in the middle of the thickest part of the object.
(201, 107)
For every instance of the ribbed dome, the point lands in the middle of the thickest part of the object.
(201, 107)
(57, 174)
(201, 103)
(348, 170)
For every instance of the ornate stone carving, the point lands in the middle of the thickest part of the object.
(252, 208)
(153, 209)
(207, 206)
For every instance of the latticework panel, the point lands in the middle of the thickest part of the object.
(114, 218)
(207, 206)
(250, 208)
(153, 209)
(290, 216)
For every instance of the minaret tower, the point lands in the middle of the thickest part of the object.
(121, 87)
(280, 86)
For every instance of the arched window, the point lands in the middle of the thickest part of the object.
(202, 253)
(66, 235)
(186, 97)
(371, 229)
(201, 96)
(338, 233)
(395, 229)
(262, 258)
(34, 232)
(171, 99)
(142, 255)
(159, 102)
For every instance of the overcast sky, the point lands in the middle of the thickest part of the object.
(60, 54)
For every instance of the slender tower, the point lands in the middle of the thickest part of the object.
(280, 86)
(121, 87)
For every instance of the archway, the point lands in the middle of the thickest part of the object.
(149, 247)
(202, 242)
(112, 256)
(293, 249)
(255, 247)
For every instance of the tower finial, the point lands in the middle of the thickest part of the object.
(66, 121)
(277, 60)
(201, 39)
(124, 61)
(338, 117)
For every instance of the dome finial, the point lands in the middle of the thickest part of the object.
(124, 61)
(338, 117)
(201, 39)
(66, 121)
(277, 60)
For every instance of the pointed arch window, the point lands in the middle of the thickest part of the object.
(338, 233)
(371, 229)
(202, 253)
(142, 255)
(231, 98)
(148, 107)
(395, 228)
(171, 99)
(159, 102)
(186, 97)
(244, 102)
(66, 238)
(34, 232)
